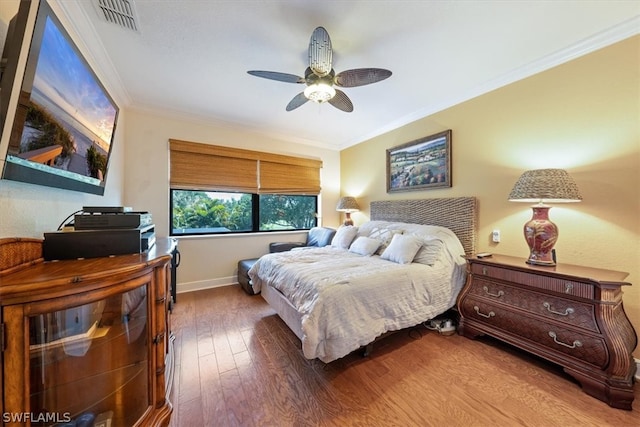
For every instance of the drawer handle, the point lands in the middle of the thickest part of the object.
(567, 312)
(575, 344)
(491, 313)
(498, 295)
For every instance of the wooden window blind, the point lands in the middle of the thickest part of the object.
(196, 166)
(281, 178)
(208, 167)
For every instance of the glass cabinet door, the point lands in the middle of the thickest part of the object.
(89, 363)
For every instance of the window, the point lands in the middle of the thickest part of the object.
(214, 212)
(218, 189)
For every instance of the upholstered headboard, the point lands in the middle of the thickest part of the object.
(459, 214)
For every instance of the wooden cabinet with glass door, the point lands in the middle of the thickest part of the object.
(85, 341)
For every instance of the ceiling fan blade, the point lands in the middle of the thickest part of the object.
(320, 52)
(297, 101)
(361, 76)
(341, 101)
(281, 77)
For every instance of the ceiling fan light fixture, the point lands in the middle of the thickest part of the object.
(319, 92)
(320, 76)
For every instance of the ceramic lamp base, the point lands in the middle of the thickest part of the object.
(348, 220)
(541, 235)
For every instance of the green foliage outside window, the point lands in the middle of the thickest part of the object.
(200, 212)
(279, 212)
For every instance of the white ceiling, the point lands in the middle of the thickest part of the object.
(190, 57)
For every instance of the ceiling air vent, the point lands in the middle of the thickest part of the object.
(119, 12)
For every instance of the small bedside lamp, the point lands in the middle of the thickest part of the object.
(347, 205)
(543, 185)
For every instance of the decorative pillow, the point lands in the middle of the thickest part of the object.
(364, 246)
(344, 236)
(402, 249)
(430, 252)
(384, 235)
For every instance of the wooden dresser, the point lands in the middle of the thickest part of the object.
(85, 341)
(570, 315)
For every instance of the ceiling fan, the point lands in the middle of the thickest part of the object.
(320, 77)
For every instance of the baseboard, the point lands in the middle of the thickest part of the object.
(637, 369)
(205, 284)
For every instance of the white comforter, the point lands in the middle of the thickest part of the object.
(347, 300)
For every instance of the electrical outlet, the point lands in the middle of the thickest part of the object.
(495, 236)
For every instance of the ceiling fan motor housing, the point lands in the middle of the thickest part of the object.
(319, 88)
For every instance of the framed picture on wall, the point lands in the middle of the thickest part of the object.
(422, 164)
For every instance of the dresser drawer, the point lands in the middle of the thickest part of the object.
(558, 339)
(577, 314)
(547, 283)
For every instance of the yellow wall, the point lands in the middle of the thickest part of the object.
(583, 116)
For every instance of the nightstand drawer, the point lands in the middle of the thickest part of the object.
(547, 283)
(554, 337)
(573, 313)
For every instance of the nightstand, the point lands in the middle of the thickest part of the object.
(567, 314)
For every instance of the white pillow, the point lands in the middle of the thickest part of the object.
(344, 236)
(364, 246)
(384, 235)
(430, 252)
(402, 249)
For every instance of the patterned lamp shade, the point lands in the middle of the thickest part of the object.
(543, 185)
(347, 205)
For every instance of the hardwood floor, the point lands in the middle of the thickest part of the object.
(237, 364)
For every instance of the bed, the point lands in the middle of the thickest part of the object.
(342, 297)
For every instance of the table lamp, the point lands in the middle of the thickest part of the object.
(347, 205)
(543, 185)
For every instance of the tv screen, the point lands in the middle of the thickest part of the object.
(62, 132)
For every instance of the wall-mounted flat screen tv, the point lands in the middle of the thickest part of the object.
(64, 123)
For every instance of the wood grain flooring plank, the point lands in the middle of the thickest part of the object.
(205, 343)
(189, 373)
(214, 408)
(173, 393)
(224, 356)
(236, 343)
(328, 401)
(305, 408)
(238, 409)
(275, 405)
(256, 394)
(278, 399)
(190, 413)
